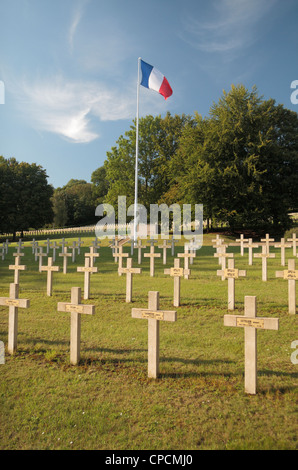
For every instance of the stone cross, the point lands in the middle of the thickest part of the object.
(267, 241)
(63, 244)
(282, 245)
(17, 267)
(176, 272)
(264, 255)
(140, 247)
(3, 252)
(129, 271)
(65, 255)
(115, 248)
(50, 269)
(241, 240)
(54, 248)
(251, 323)
(231, 274)
(294, 241)
(250, 245)
(120, 255)
(40, 255)
(6, 245)
(186, 255)
(87, 270)
(173, 241)
(152, 255)
(48, 245)
(164, 247)
(154, 316)
(73, 251)
(79, 243)
(34, 245)
(76, 308)
(92, 255)
(222, 255)
(291, 274)
(14, 303)
(220, 247)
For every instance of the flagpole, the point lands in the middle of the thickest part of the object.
(137, 156)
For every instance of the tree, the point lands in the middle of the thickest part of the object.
(25, 196)
(241, 161)
(158, 141)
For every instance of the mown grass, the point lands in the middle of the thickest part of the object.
(107, 401)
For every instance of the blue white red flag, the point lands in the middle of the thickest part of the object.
(155, 80)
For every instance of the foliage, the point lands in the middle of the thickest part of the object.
(74, 204)
(24, 196)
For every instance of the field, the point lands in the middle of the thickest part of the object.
(107, 401)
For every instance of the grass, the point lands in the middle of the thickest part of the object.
(107, 401)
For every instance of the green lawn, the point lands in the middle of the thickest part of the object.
(107, 401)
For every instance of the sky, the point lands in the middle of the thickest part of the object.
(68, 69)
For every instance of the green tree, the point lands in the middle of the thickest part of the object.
(240, 161)
(25, 196)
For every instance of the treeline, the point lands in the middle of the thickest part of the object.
(240, 162)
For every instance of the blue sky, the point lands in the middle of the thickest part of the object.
(69, 69)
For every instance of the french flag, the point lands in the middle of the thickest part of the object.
(155, 80)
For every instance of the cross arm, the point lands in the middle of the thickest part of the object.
(80, 308)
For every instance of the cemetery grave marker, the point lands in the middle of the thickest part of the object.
(48, 245)
(63, 244)
(264, 255)
(87, 270)
(173, 241)
(176, 272)
(251, 324)
(14, 303)
(154, 316)
(79, 243)
(231, 274)
(282, 245)
(152, 256)
(92, 255)
(250, 245)
(291, 274)
(222, 255)
(17, 267)
(294, 241)
(267, 241)
(186, 255)
(241, 240)
(40, 255)
(73, 251)
(164, 247)
(50, 269)
(76, 309)
(65, 255)
(140, 247)
(129, 271)
(120, 255)
(54, 248)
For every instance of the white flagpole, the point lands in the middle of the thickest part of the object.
(137, 156)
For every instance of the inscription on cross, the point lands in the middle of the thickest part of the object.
(231, 274)
(17, 267)
(154, 316)
(251, 323)
(176, 272)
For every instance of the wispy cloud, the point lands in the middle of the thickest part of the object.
(233, 26)
(71, 109)
(75, 20)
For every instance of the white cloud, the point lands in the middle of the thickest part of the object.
(68, 108)
(76, 18)
(231, 28)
